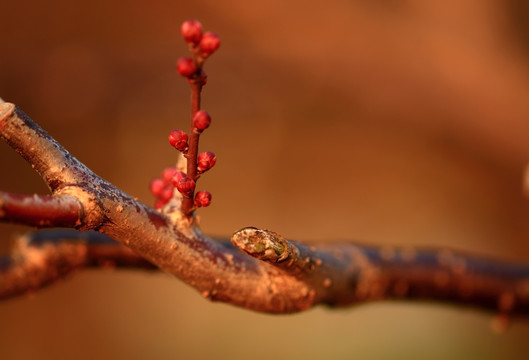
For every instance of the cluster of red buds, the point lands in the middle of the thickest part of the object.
(163, 188)
(201, 45)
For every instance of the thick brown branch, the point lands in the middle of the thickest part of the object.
(447, 275)
(280, 276)
(341, 274)
(40, 210)
(53, 163)
(41, 258)
(217, 271)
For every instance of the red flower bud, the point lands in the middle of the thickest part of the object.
(206, 160)
(202, 199)
(201, 120)
(168, 173)
(209, 43)
(159, 203)
(156, 186)
(178, 139)
(186, 186)
(167, 194)
(186, 67)
(191, 31)
(179, 175)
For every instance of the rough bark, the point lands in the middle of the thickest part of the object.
(279, 276)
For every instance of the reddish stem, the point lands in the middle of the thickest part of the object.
(40, 210)
(192, 153)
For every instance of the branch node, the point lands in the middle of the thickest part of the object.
(264, 245)
(91, 216)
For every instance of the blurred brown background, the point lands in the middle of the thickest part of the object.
(391, 122)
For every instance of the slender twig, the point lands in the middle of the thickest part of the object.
(41, 258)
(192, 153)
(201, 46)
(40, 210)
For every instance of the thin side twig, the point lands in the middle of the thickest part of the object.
(192, 153)
(40, 210)
(41, 258)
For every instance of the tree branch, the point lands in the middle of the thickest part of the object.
(280, 276)
(343, 274)
(40, 210)
(41, 258)
(449, 276)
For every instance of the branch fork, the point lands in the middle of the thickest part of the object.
(259, 269)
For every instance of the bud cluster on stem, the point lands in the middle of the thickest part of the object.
(163, 188)
(201, 45)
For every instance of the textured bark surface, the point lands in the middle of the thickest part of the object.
(279, 276)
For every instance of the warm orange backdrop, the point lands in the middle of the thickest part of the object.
(392, 122)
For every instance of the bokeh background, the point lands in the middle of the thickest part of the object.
(388, 121)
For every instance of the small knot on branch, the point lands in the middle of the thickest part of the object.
(264, 245)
